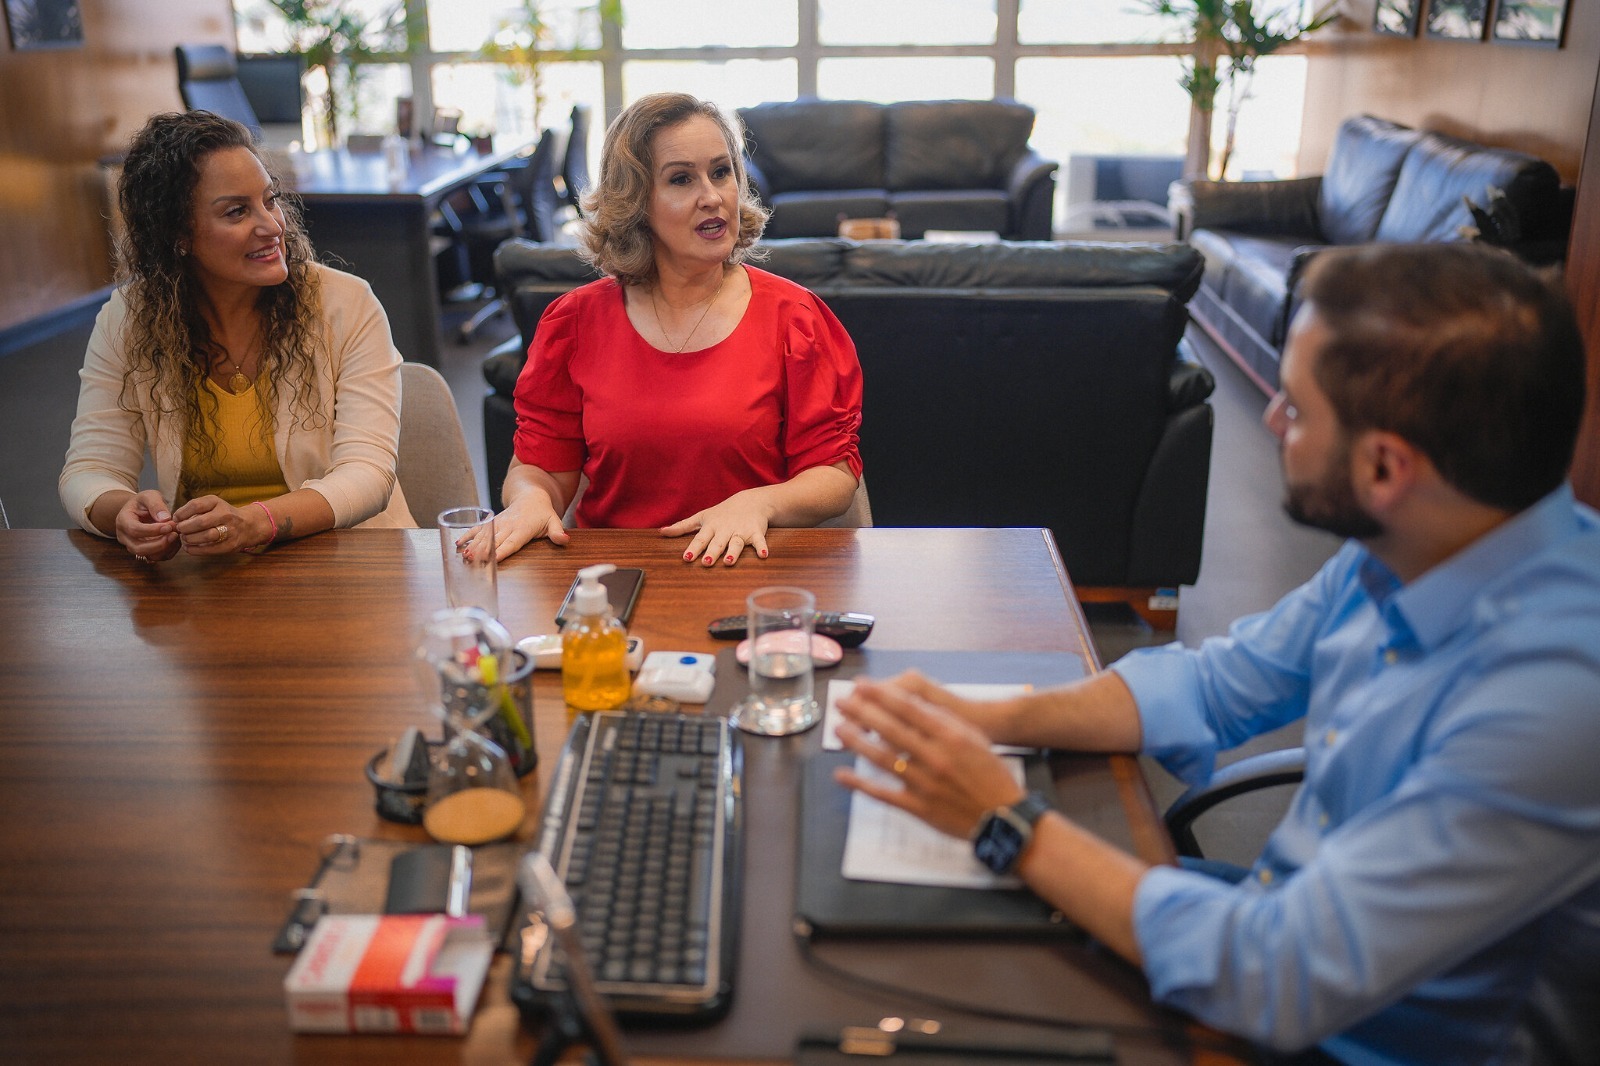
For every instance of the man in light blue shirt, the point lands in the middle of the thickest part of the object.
(1433, 894)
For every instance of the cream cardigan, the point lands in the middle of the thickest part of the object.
(349, 459)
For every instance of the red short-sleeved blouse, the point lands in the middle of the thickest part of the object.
(663, 435)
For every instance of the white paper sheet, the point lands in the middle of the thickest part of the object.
(884, 843)
(838, 689)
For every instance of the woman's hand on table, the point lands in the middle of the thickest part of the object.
(144, 525)
(209, 525)
(525, 519)
(723, 532)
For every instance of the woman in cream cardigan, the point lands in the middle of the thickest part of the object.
(265, 386)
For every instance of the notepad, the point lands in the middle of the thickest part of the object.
(841, 687)
(884, 843)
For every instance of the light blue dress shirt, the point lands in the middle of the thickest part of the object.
(1433, 894)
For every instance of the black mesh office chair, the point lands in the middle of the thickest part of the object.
(518, 201)
(575, 161)
(208, 80)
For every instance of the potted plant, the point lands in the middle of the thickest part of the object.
(524, 42)
(1228, 37)
(336, 35)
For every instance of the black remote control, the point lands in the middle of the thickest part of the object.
(848, 628)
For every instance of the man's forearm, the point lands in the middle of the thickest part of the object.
(1096, 714)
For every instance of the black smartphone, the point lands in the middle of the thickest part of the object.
(622, 589)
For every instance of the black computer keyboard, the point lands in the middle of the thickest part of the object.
(643, 826)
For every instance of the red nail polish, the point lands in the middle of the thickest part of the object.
(688, 557)
(709, 560)
(729, 560)
(762, 553)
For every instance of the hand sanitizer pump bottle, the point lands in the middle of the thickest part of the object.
(594, 649)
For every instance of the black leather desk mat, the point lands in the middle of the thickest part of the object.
(778, 996)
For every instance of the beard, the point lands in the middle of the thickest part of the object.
(1330, 503)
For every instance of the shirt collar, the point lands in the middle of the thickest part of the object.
(1441, 601)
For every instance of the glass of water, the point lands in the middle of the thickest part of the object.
(780, 621)
(466, 539)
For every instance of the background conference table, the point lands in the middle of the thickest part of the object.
(381, 229)
(176, 741)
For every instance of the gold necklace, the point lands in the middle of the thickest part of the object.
(237, 381)
(656, 311)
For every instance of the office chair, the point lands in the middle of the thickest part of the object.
(857, 516)
(434, 468)
(575, 161)
(1266, 770)
(519, 201)
(208, 80)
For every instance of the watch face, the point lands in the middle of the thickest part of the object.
(999, 844)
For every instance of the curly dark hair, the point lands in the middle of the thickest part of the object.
(168, 343)
(616, 236)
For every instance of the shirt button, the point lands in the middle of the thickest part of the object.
(1391, 656)
(1329, 737)
(1264, 876)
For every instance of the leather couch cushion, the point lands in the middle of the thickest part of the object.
(809, 262)
(1032, 265)
(955, 144)
(1440, 170)
(1251, 275)
(952, 209)
(809, 212)
(817, 144)
(1362, 170)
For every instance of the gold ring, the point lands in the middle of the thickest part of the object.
(902, 763)
(141, 558)
(222, 533)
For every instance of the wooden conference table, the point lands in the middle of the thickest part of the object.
(176, 741)
(381, 228)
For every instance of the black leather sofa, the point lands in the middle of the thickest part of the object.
(1384, 182)
(1005, 385)
(932, 164)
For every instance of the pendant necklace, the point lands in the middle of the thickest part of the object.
(656, 311)
(237, 382)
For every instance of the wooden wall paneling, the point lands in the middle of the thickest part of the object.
(1530, 98)
(64, 110)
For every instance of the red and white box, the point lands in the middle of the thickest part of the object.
(388, 973)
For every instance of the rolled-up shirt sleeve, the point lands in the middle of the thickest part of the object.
(1497, 820)
(822, 381)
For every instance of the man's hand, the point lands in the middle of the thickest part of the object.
(950, 778)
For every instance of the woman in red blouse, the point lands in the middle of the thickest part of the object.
(699, 395)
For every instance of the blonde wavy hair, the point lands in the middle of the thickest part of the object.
(168, 344)
(616, 238)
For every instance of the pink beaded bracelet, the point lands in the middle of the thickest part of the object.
(259, 548)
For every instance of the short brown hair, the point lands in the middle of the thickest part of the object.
(616, 236)
(1461, 349)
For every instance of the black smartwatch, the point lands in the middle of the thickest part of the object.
(1005, 832)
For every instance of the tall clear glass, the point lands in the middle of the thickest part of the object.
(466, 540)
(781, 701)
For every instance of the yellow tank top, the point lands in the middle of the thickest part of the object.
(244, 468)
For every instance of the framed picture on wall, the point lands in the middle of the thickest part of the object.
(1398, 17)
(1531, 21)
(1457, 20)
(44, 24)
